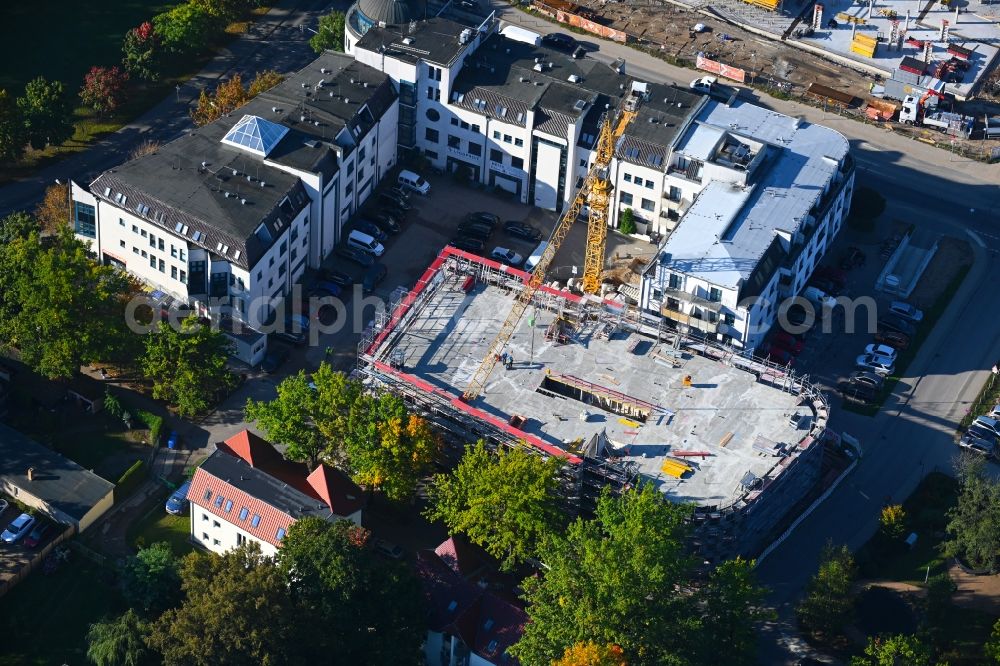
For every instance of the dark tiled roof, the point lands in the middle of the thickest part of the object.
(58, 481)
(434, 40)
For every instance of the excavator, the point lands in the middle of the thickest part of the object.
(595, 192)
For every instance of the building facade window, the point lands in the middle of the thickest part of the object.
(517, 162)
(496, 156)
(649, 185)
(432, 135)
(714, 295)
(454, 141)
(84, 220)
(627, 178)
(475, 149)
(648, 205)
(519, 143)
(626, 198)
(173, 272)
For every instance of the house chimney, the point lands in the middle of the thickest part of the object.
(31, 474)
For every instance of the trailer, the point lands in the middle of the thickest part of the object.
(880, 109)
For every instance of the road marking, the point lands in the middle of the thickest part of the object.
(976, 237)
(862, 493)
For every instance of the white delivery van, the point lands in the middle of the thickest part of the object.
(362, 241)
(519, 34)
(411, 181)
(535, 257)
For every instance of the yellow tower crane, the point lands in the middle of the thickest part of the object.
(596, 193)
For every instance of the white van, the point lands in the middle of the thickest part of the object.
(411, 181)
(535, 257)
(362, 241)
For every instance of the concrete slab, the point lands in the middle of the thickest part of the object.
(627, 387)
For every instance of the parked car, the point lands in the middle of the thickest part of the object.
(372, 229)
(559, 41)
(397, 214)
(295, 330)
(357, 256)
(18, 528)
(395, 201)
(374, 277)
(865, 378)
(832, 274)
(853, 257)
(398, 192)
(482, 217)
(475, 230)
(336, 277)
(860, 394)
(326, 287)
(786, 340)
(275, 357)
(387, 223)
(877, 364)
(894, 339)
(506, 256)
(177, 503)
(704, 84)
(412, 181)
(3, 506)
(37, 535)
(906, 311)
(974, 444)
(994, 414)
(981, 431)
(469, 244)
(388, 549)
(522, 230)
(882, 350)
(894, 323)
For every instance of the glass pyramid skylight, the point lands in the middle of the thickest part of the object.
(255, 135)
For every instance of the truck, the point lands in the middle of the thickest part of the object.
(913, 113)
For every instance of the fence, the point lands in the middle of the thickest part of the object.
(38, 558)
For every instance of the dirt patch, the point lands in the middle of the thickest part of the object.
(978, 592)
(953, 256)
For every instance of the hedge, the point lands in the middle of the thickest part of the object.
(155, 425)
(129, 481)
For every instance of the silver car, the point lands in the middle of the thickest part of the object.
(18, 528)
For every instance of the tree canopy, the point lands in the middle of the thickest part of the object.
(186, 29)
(591, 654)
(12, 138)
(47, 113)
(329, 34)
(290, 420)
(104, 89)
(616, 579)
(119, 641)
(17, 225)
(54, 210)
(506, 502)
(142, 52)
(230, 95)
(150, 579)
(828, 606)
(731, 603)
(188, 366)
(974, 522)
(895, 651)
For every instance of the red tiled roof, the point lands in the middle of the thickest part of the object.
(271, 518)
(255, 450)
(460, 556)
(332, 486)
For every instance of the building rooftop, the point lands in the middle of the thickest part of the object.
(621, 395)
(213, 184)
(58, 481)
(797, 161)
(436, 40)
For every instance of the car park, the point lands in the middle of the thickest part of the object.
(366, 243)
(388, 549)
(994, 414)
(559, 41)
(978, 430)
(882, 350)
(483, 217)
(374, 277)
(522, 230)
(357, 256)
(906, 311)
(37, 535)
(372, 229)
(18, 528)
(894, 339)
(506, 256)
(336, 277)
(387, 223)
(704, 84)
(854, 257)
(989, 423)
(388, 198)
(177, 503)
(398, 192)
(877, 364)
(276, 355)
(469, 244)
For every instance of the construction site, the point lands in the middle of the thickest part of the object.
(620, 399)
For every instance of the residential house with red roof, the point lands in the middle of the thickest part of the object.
(247, 491)
(467, 622)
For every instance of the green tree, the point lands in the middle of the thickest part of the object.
(893, 521)
(335, 393)
(506, 502)
(120, 641)
(47, 113)
(732, 606)
(142, 52)
(150, 579)
(626, 222)
(237, 610)
(616, 579)
(829, 603)
(59, 307)
(387, 447)
(992, 647)
(186, 29)
(330, 33)
(17, 225)
(899, 650)
(361, 609)
(187, 366)
(289, 420)
(12, 136)
(104, 89)
(974, 522)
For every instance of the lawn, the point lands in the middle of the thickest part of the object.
(158, 525)
(926, 514)
(44, 619)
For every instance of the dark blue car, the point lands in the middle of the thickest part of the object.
(177, 503)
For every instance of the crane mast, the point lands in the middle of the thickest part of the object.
(596, 193)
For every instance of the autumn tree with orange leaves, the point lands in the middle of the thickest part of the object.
(592, 654)
(231, 95)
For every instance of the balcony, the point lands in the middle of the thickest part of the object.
(689, 320)
(687, 297)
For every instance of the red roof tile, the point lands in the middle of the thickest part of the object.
(254, 449)
(205, 491)
(336, 489)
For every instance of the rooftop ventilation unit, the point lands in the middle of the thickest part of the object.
(525, 79)
(538, 67)
(235, 173)
(407, 40)
(263, 183)
(465, 36)
(364, 85)
(302, 119)
(243, 201)
(304, 84)
(573, 78)
(274, 109)
(204, 165)
(321, 83)
(580, 105)
(226, 194)
(322, 70)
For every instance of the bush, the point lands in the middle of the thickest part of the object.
(129, 481)
(155, 425)
(626, 222)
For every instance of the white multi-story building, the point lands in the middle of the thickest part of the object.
(761, 197)
(246, 492)
(231, 214)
